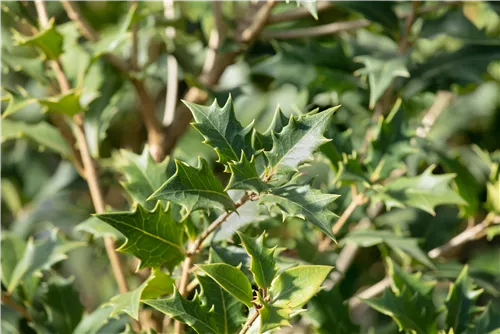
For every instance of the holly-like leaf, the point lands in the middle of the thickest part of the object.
(380, 73)
(265, 140)
(152, 236)
(311, 6)
(222, 130)
(159, 284)
(231, 279)
(98, 229)
(66, 104)
(272, 317)
(489, 321)
(49, 41)
(409, 303)
(40, 256)
(369, 238)
(17, 102)
(303, 202)
(425, 192)
(227, 310)
(493, 196)
(191, 312)
(262, 265)
(295, 286)
(12, 251)
(41, 133)
(244, 175)
(142, 175)
(62, 302)
(194, 188)
(461, 302)
(297, 141)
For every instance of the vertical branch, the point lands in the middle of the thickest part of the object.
(134, 50)
(172, 67)
(88, 163)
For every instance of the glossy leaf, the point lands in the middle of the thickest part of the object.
(222, 130)
(425, 192)
(244, 175)
(265, 140)
(262, 265)
(297, 141)
(461, 302)
(142, 175)
(49, 41)
(230, 279)
(295, 286)
(153, 236)
(303, 202)
(194, 188)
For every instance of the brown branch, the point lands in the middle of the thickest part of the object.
(298, 13)
(88, 163)
(442, 101)
(172, 68)
(249, 322)
(10, 302)
(356, 201)
(327, 29)
(75, 15)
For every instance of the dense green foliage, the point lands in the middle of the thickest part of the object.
(340, 173)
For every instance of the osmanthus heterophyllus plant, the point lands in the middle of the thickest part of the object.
(263, 167)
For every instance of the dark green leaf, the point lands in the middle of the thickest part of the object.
(153, 236)
(262, 265)
(222, 130)
(265, 140)
(194, 188)
(489, 321)
(303, 202)
(244, 175)
(231, 279)
(297, 141)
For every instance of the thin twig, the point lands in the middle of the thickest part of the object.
(88, 163)
(83, 25)
(172, 67)
(462, 238)
(327, 29)
(249, 322)
(298, 13)
(442, 101)
(356, 201)
(9, 301)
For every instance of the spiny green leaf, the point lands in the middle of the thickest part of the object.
(425, 192)
(98, 228)
(49, 41)
(66, 104)
(295, 286)
(303, 202)
(160, 284)
(380, 73)
(222, 130)
(409, 303)
(153, 236)
(194, 188)
(272, 317)
(487, 322)
(62, 302)
(244, 175)
(199, 317)
(42, 133)
(369, 238)
(231, 279)
(142, 175)
(40, 256)
(265, 140)
(297, 141)
(461, 302)
(227, 309)
(12, 251)
(262, 265)
(17, 102)
(493, 196)
(311, 6)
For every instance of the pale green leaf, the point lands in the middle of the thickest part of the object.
(66, 104)
(152, 236)
(262, 265)
(12, 251)
(49, 41)
(194, 188)
(142, 175)
(93, 322)
(41, 256)
(295, 286)
(231, 279)
(272, 317)
(98, 229)
(297, 141)
(158, 285)
(128, 302)
(41, 133)
(17, 102)
(493, 196)
(303, 202)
